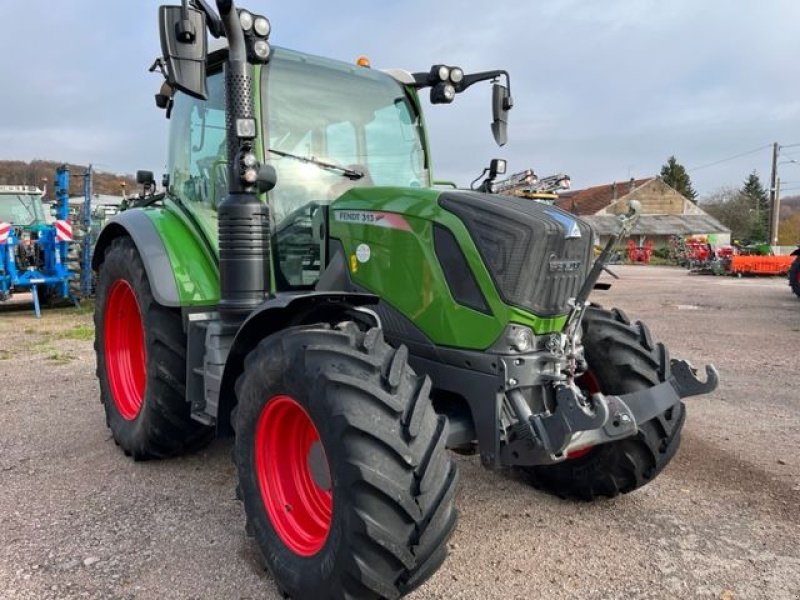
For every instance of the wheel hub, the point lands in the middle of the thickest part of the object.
(125, 354)
(293, 475)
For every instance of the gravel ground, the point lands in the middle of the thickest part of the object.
(79, 520)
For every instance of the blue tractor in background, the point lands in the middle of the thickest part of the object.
(33, 252)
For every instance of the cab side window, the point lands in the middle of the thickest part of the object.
(198, 168)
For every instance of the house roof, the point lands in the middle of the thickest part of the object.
(591, 200)
(659, 225)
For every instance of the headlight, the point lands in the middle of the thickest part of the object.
(261, 49)
(444, 73)
(521, 339)
(456, 75)
(246, 20)
(449, 92)
(262, 26)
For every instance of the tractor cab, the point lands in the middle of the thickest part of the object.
(21, 206)
(327, 127)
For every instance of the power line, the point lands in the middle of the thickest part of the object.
(724, 160)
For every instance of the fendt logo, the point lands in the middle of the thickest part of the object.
(570, 225)
(563, 266)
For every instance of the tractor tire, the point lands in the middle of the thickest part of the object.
(794, 276)
(141, 362)
(622, 358)
(347, 486)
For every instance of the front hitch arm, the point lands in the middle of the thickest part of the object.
(685, 380)
(609, 418)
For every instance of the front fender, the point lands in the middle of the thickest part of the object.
(180, 271)
(285, 310)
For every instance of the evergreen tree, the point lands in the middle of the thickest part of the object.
(674, 175)
(758, 203)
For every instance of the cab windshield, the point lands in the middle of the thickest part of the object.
(21, 209)
(334, 126)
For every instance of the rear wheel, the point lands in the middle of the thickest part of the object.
(141, 362)
(342, 466)
(794, 276)
(622, 358)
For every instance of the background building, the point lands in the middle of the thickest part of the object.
(665, 212)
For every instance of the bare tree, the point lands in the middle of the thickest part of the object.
(733, 209)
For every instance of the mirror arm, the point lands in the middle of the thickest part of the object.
(474, 78)
(185, 29)
(215, 27)
(422, 80)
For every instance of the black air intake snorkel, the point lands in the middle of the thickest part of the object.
(243, 225)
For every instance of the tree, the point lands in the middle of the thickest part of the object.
(758, 202)
(733, 209)
(674, 174)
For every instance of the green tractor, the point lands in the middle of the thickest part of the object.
(302, 285)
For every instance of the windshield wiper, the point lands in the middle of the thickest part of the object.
(349, 173)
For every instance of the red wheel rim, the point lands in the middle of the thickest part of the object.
(124, 350)
(287, 448)
(589, 383)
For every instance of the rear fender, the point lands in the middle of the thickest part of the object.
(179, 270)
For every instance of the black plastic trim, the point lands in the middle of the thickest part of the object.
(136, 224)
(460, 278)
(537, 255)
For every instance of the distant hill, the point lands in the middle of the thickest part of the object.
(17, 172)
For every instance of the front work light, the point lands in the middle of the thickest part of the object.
(246, 128)
(261, 49)
(443, 93)
(246, 20)
(262, 26)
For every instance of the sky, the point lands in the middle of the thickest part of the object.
(603, 90)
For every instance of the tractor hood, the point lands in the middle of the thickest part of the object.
(538, 255)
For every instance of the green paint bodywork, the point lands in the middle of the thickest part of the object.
(403, 269)
(194, 266)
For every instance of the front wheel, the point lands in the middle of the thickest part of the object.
(622, 358)
(346, 483)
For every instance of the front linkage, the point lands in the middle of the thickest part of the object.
(568, 418)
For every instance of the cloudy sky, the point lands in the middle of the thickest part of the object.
(604, 89)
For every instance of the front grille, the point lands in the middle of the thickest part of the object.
(529, 248)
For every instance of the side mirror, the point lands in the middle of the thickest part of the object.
(145, 178)
(501, 104)
(184, 46)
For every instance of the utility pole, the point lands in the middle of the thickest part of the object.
(774, 198)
